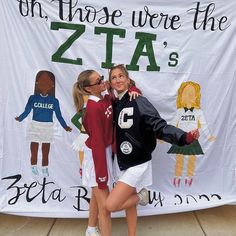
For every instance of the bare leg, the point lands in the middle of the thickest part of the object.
(131, 218)
(45, 152)
(93, 212)
(122, 197)
(34, 153)
(125, 197)
(104, 215)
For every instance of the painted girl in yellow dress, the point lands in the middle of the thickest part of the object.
(189, 116)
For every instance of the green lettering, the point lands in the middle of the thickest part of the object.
(173, 57)
(109, 42)
(79, 30)
(145, 40)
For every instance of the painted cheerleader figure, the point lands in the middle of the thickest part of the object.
(79, 144)
(40, 132)
(189, 116)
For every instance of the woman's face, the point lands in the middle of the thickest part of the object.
(119, 81)
(44, 83)
(96, 84)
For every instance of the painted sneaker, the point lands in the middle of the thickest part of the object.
(34, 170)
(143, 195)
(45, 172)
(96, 233)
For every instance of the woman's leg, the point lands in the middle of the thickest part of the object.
(122, 196)
(93, 212)
(104, 215)
(131, 218)
(125, 197)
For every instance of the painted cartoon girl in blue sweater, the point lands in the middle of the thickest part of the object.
(43, 103)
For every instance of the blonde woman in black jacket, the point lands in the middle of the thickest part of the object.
(137, 126)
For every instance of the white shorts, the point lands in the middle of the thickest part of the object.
(40, 132)
(137, 176)
(89, 176)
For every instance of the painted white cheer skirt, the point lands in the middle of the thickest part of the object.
(79, 143)
(40, 132)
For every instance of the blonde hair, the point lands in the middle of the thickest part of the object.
(124, 70)
(79, 90)
(197, 88)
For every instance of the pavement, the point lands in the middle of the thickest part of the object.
(218, 221)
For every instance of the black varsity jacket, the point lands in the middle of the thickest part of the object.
(138, 125)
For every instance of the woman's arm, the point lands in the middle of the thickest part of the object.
(162, 130)
(97, 142)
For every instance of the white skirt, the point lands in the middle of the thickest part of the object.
(138, 176)
(89, 176)
(40, 132)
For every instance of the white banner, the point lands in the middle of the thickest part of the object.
(175, 51)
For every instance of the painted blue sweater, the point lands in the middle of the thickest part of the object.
(43, 108)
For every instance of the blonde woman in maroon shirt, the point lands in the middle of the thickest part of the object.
(97, 121)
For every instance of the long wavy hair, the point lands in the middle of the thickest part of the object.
(78, 91)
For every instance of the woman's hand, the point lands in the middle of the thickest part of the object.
(133, 95)
(195, 133)
(192, 135)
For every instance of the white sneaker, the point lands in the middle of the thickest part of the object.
(143, 195)
(96, 233)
